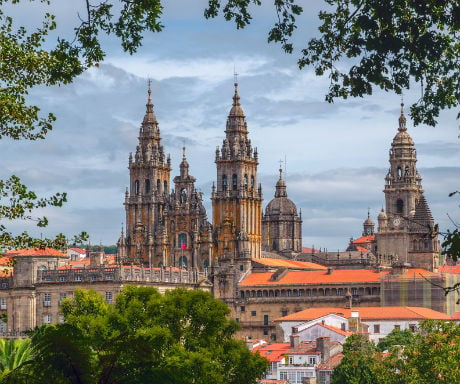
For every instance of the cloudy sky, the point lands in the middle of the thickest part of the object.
(336, 154)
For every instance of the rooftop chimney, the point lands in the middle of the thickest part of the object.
(323, 346)
(295, 340)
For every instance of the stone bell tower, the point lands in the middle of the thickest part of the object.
(237, 198)
(406, 232)
(147, 195)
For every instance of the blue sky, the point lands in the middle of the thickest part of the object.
(336, 154)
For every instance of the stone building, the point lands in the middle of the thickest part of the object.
(42, 278)
(406, 229)
(281, 225)
(163, 227)
(237, 197)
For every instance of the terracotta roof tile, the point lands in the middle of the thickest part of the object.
(335, 329)
(449, 268)
(331, 363)
(289, 263)
(78, 250)
(368, 313)
(364, 239)
(315, 277)
(35, 252)
(272, 351)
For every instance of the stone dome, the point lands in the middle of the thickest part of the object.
(281, 205)
(382, 215)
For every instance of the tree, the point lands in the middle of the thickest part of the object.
(395, 338)
(13, 353)
(431, 357)
(359, 365)
(183, 336)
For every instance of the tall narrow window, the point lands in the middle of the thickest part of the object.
(224, 182)
(165, 186)
(399, 172)
(234, 182)
(182, 241)
(158, 185)
(246, 181)
(252, 181)
(147, 186)
(399, 206)
(136, 187)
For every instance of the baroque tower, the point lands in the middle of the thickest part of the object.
(406, 232)
(281, 225)
(237, 198)
(146, 197)
(190, 233)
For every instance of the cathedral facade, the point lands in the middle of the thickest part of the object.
(166, 223)
(164, 226)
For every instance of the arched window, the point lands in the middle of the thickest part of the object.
(406, 171)
(399, 206)
(158, 185)
(245, 180)
(206, 265)
(165, 185)
(183, 195)
(136, 187)
(224, 182)
(252, 181)
(147, 186)
(183, 262)
(398, 172)
(182, 241)
(234, 182)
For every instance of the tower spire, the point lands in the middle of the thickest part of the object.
(402, 119)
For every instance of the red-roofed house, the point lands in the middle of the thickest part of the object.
(298, 361)
(379, 321)
(76, 253)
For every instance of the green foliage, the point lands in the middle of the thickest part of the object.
(13, 353)
(432, 357)
(18, 202)
(183, 336)
(363, 44)
(395, 338)
(359, 363)
(429, 356)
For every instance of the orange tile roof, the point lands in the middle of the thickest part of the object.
(315, 277)
(331, 363)
(289, 263)
(335, 329)
(78, 250)
(456, 316)
(361, 249)
(35, 252)
(5, 261)
(310, 250)
(272, 351)
(368, 313)
(449, 268)
(364, 239)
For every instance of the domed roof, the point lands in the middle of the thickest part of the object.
(402, 137)
(281, 205)
(382, 215)
(236, 110)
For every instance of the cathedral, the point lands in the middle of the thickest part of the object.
(167, 224)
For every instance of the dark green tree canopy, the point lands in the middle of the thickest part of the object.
(183, 336)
